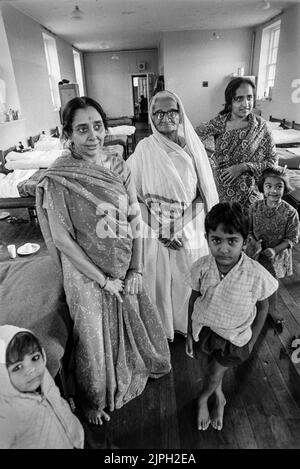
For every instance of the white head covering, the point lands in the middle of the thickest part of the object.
(195, 148)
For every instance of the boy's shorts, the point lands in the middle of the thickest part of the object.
(221, 349)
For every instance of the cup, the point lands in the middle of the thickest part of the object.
(12, 251)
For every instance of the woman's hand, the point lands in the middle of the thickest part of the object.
(229, 175)
(133, 283)
(114, 286)
(189, 346)
(269, 253)
(174, 243)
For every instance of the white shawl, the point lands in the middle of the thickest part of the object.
(154, 172)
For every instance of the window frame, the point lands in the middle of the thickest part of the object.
(53, 69)
(78, 71)
(268, 60)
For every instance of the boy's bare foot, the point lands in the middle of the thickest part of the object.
(95, 416)
(218, 412)
(203, 417)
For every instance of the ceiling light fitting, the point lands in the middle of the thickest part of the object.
(77, 14)
(215, 36)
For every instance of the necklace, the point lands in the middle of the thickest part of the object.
(221, 274)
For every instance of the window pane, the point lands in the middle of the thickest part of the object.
(78, 71)
(274, 56)
(53, 68)
(276, 37)
(271, 72)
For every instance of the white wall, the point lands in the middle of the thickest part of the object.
(190, 58)
(24, 38)
(160, 60)
(109, 81)
(285, 98)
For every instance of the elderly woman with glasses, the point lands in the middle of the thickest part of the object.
(175, 188)
(243, 145)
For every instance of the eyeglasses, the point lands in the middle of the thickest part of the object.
(170, 114)
(240, 99)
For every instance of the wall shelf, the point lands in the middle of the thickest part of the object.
(11, 122)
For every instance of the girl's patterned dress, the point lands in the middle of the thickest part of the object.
(272, 226)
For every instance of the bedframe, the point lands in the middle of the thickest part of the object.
(288, 152)
(21, 202)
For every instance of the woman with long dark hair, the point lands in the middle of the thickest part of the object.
(244, 146)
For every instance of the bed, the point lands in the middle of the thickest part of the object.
(18, 167)
(20, 172)
(287, 139)
(123, 125)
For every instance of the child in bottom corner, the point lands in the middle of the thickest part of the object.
(33, 415)
(274, 223)
(228, 305)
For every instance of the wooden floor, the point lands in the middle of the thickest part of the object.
(263, 395)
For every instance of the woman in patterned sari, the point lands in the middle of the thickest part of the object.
(175, 188)
(244, 146)
(88, 214)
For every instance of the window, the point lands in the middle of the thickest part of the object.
(268, 59)
(53, 68)
(78, 71)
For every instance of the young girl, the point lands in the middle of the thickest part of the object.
(227, 307)
(275, 224)
(33, 415)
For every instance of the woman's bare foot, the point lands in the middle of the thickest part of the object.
(95, 416)
(203, 418)
(218, 412)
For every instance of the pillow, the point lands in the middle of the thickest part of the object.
(122, 130)
(47, 143)
(274, 125)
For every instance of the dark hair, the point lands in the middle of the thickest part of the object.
(230, 215)
(277, 172)
(21, 344)
(72, 106)
(230, 90)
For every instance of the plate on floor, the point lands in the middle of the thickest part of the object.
(4, 215)
(28, 248)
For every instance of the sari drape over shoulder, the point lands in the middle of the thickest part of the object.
(169, 179)
(253, 145)
(117, 345)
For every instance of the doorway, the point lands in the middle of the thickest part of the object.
(140, 97)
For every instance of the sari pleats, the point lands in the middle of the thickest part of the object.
(117, 346)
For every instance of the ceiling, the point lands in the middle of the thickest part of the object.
(138, 24)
